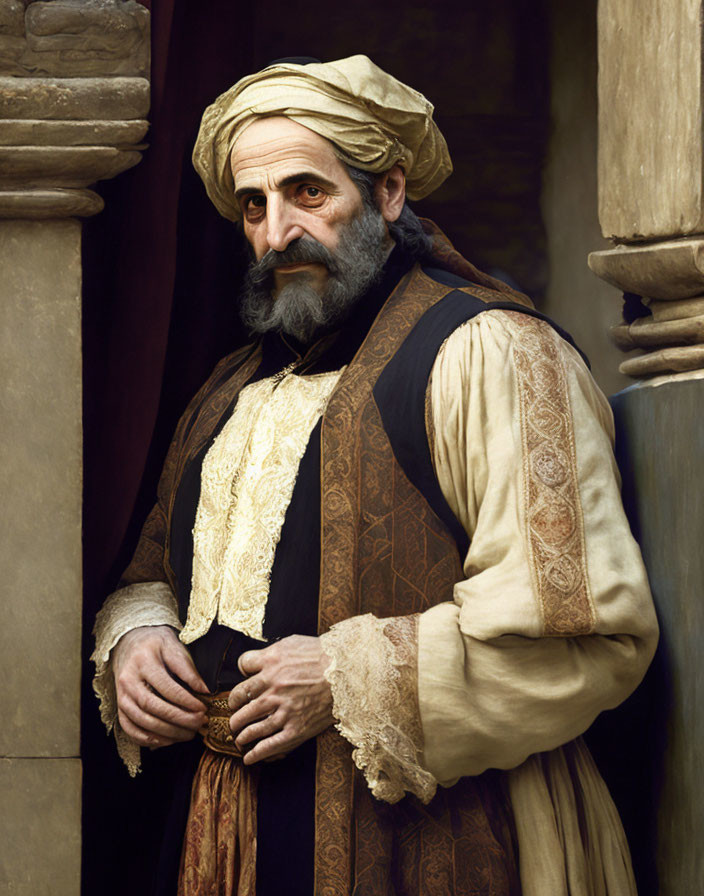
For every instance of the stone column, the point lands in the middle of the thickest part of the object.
(74, 94)
(651, 204)
(651, 176)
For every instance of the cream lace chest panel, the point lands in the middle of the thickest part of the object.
(247, 482)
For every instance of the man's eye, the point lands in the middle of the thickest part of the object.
(253, 206)
(311, 195)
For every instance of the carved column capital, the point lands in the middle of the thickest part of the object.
(669, 278)
(74, 95)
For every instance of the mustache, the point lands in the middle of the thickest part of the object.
(299, 251)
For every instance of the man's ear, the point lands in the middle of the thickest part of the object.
(390, 193)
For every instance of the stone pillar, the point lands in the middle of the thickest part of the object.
(74, 94)
(651, 176)
(651, 205)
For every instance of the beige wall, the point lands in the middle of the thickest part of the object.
(576, 299)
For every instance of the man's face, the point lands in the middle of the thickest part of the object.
(290, 184)
(317, 246)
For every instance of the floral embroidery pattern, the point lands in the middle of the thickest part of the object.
(551, 494)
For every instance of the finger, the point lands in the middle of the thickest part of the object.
(245, 692)
(153, 724)
(259, 730)
(271, 748)
(154, 705)
(252, 712)
(179, 661)
(251, 661)
(143, 692)
(139, 735)
(170, 689)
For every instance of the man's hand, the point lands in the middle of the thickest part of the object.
(284, 701)
(153, 708)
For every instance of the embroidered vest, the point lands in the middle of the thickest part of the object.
(390, 546)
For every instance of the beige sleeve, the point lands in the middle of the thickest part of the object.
(145, 603)
(554, 622)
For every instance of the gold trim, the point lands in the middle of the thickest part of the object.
(550, 485)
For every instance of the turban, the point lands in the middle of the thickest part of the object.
(373, 121)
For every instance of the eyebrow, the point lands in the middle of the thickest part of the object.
(290, 180)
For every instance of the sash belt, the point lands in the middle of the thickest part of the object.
(220, 844)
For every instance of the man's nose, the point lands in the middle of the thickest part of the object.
(281, 224)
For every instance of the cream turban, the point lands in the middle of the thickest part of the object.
(373, 120)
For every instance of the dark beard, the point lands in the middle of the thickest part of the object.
(298, 309)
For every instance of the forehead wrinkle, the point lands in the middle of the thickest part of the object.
(277, 169)
(296, 155)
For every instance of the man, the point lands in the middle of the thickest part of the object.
(390, 535)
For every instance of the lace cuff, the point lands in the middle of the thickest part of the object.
(146, 603)
(373, 674)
